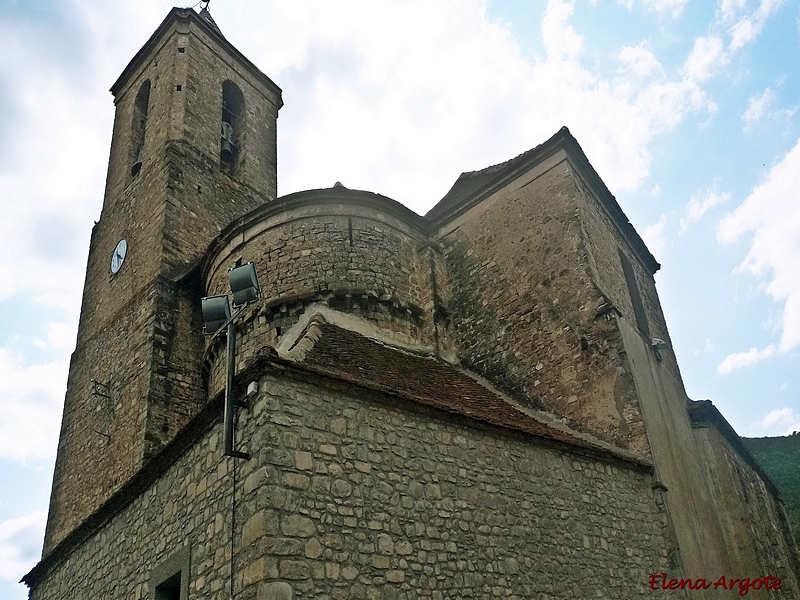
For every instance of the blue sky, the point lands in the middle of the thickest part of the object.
(688, 111)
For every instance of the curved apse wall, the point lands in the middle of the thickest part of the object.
(353, 251)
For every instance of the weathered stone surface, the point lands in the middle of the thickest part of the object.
(276, 590)
(385, 544)
(297, 525)
(283, 546)
(303, 460)
(294, 569)
(255, 571)
(395, 576)
(313, 549)
(260, 524)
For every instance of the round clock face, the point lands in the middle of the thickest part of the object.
(119, 256)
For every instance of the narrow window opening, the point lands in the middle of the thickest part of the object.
(181, 50)
(170, 579)
(170, 589)
(178, 87)
(636, 297)
(140, 107)
(231, 126)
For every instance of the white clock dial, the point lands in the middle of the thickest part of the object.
(118, 256)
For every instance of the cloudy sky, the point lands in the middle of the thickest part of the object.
(688, 111)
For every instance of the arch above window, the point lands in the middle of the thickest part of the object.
(231, 126)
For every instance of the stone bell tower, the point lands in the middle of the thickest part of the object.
(193, 148)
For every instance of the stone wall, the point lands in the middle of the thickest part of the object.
(605, 246)
(754, 523)
(100, 444)
(353, 495)
(525, 309)
(720, 522)
(140, 333)
(342, 248)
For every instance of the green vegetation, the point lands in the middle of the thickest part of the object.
(780, 458)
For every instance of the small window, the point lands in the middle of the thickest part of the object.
(170, 579)
(231, 126)
(140, 106)
(170, 589)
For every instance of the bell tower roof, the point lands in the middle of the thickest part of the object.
(184, 18)
(206, 16)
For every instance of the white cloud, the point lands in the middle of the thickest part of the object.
(709, 347)
(729, 8)
(782, 421)
(747, 27)
(639, 61)
(560, 39)
(706, 57)
(744, 359)
(31, 397)
(771, 213)
(461, 97)
(743, 23)
(700, 203)
(52, 180)
(21, 544)
(654, 236)
(758, 105)
(674, 7)
(58, 336)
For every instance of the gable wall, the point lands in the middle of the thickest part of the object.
(523, 305)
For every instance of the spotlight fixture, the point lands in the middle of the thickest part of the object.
(216, 313)
(244, 284)
(216, 318)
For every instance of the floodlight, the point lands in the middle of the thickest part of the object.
(244, 284)
(216, 313)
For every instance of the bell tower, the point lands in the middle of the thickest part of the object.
(193, 148)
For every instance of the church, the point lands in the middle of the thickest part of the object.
(326, 395)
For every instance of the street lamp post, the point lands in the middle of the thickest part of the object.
(216, 318)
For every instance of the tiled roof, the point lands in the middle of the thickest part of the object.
(347, 356)
(472, 182)
(473, 186)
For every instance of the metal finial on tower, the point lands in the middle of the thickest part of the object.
(206, 15)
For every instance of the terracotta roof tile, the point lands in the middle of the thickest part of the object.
(348, 356)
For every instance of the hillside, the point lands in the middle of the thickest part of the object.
(780, 458)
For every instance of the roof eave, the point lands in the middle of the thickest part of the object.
(563, 140)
